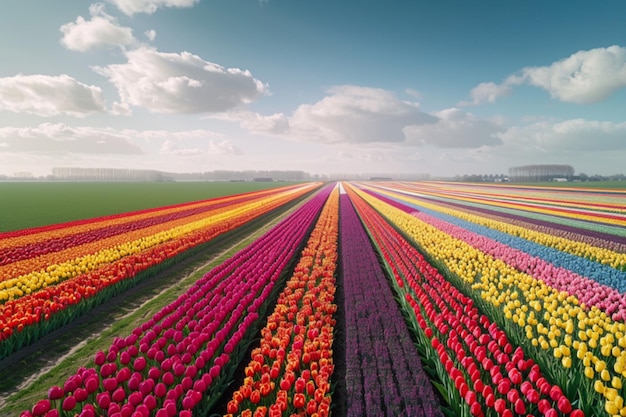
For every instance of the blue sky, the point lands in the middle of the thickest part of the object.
(328, 87)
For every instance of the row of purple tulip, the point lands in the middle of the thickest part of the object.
(590, 288)
(58, 243)
(180, 359)
(592, 237)
(384, 375)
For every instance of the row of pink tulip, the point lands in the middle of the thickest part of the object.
(180, 358)
(587, 290)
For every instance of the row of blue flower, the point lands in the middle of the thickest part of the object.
(602, 274)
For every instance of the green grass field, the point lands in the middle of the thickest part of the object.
(32, 204)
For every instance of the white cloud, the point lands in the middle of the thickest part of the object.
(153, 136)
(455, 129)
(357, 115)
(367, 156)
(150, 34)
(354, 115)
(61, 138)
(171, 147)
(223, 147)
(584, 77)
(413, 93)
(178, 145)
(46, 95)
(569, 136)
(130, 7)
(276, 123)
(487, 93)
(101, 31)
(180, 83)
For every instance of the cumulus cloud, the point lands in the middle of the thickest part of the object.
(487, 93)
(223, 147)
(182, 135)
(130, 7)
(177, 147)
(150, 34)
(354, 115)
(584, 77)
(574, 135)
(47, 96)
(277, 123)
(357, 115)
(171, 147)
(180, 83)
(62, 138)
(102, 30)
(413, 93)
(455, 129)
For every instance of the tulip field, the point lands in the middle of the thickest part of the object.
(367, 299)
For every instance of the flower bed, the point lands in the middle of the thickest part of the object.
(30, 316)
(180, 359)
(384, 374)
(289, 373)
(476, 361)
(580, 348)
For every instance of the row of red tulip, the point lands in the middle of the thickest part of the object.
(29, 317)
(28, 275)
(34, 243)
(475, 358)
(290, 371)
(179, 359)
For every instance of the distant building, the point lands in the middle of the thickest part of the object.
(537, 173)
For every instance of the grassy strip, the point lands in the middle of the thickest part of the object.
(129, 313)
(25, 205)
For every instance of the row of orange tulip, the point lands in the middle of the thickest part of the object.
(289, 372)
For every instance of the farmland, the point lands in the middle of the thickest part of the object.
(32, 204)
(343, 300)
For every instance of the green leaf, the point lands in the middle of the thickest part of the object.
(442, 390)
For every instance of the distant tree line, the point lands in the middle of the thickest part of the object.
(584, 177)
(143, 175)
(481, 178)
(106, 174)
(251, 175)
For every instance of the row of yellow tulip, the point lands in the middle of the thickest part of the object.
(38, 235)
(80, 256)
(592, 203)
(577, 338)
(600, 200)
(582, 249)
(53, 273)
